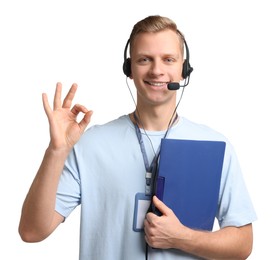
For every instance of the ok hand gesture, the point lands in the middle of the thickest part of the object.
(65, 131)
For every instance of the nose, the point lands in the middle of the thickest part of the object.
(157, 67)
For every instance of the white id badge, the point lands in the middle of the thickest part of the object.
(142, 203)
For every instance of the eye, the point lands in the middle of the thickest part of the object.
(143, 60)
(169, 60)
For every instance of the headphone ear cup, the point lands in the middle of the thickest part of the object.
(186, 69)
(127, 67)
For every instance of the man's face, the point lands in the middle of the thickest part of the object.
(156, 60)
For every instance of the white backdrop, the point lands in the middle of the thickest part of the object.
(233, 48)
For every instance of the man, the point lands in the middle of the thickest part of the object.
(104, 167)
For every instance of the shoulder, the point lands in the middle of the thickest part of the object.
(114, 125)
(108, 132)
(187, 129)
(199, 131)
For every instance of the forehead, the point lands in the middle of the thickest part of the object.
(163, 42)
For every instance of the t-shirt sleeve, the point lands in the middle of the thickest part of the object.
(68, 192)
(235, 205)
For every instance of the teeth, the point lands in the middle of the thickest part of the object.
(156, 84)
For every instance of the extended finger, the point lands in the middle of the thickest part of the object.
(69, 97)
(57, 96)
(46, 105)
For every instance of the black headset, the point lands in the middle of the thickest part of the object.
(186, 68)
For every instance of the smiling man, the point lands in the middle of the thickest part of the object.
(108, 169)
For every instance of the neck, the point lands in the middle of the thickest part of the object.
(153, 120)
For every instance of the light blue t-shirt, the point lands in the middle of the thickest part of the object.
(105, 171)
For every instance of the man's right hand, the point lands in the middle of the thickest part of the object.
(65, 131)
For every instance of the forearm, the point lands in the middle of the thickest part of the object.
(38, 209)
(227, 243)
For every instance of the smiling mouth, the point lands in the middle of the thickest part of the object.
(156, 84)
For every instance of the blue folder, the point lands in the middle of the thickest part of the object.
(188, 180)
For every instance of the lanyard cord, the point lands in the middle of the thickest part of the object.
(151, 167)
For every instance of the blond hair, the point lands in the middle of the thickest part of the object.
(153, 24)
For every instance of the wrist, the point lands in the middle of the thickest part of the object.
(58, 152)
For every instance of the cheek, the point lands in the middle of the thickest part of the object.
(176, 72)
(181, 72)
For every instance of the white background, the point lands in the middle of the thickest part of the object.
(233, 48)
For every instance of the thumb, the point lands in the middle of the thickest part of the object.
(85, 120)
(161, 206)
